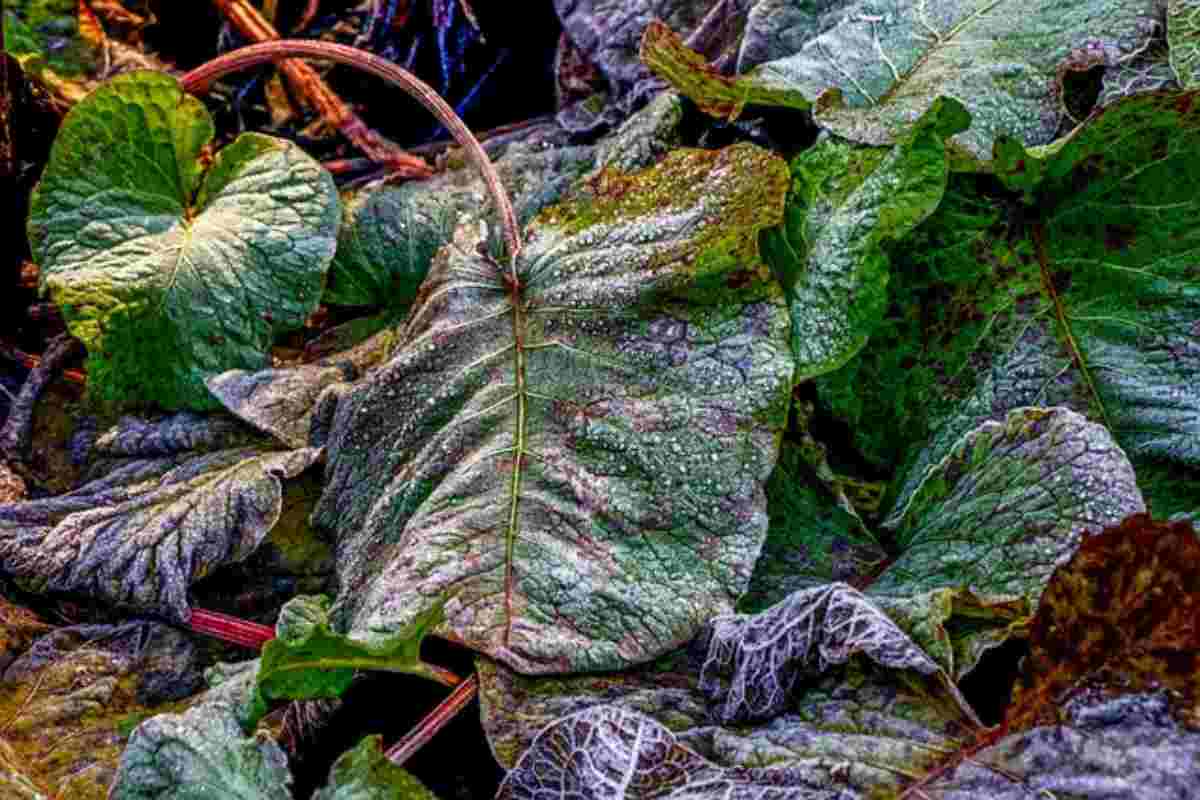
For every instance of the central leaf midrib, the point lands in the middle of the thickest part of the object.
(521, 398)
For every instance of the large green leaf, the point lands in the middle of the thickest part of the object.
(1080, 288)
(880, 64)
(583, 467)
(141, 534)
(169, 271)
(847, 203)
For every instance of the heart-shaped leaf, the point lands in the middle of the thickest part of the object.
(580, 457)
(170, 269)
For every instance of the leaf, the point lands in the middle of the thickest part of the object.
(847, 203)
(388, 238)
(873, 67)
(1009, 502)
(365, 773)
(1127, 605)
(584, 468)
(140, 535)
(753, 662)
(1085, 296)
(615, 753)
(307, 661)
(1183, 39)
(167, 271)
(514, 708)
(663, 51)
(285, 403)
(1102, 746)
(203, 753)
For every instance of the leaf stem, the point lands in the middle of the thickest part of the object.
(437, 719)
(197, 81)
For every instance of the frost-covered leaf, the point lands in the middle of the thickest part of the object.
(203, 753)
(881, 63)
(1126, 747)
(1009, 502)
(307, 661)
(1087, 295)
(754, 661)
(168, 271)
(141, 534)
(515, 707)
(846, 204)
(1127, 605)
(1183, 39)
(584, 468)
(613, 753)
(365, 773)
(664, 52)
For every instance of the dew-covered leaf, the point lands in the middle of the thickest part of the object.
(880, 64)
(203, 753)
(846, 204)
(141, 534)
(585, 468)
(613, 753)
(306, 660)
(365, 773)
(285, 403)
(1009, 502)
(1183, 40)
(1127, 604)
(1079, 289)
(169, 271)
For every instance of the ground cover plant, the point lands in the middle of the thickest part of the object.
(807, 408)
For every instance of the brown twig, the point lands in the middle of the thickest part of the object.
(433, 722)
(335, 111)
(200, 78)
(17, 433)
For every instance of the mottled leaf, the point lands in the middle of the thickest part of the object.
(612, 753)
(663, 51)
(1009, 502)
(1127, 605)
(1183, 39)
(203, 753)
(365, 773)
(645, 137)
(583, 466)
(169, 271)
(846, 204)
(872, 67)
(308, 661)
(1085, 294)
(140, 535)
(282, 402)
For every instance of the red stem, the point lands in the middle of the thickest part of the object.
(437, 719)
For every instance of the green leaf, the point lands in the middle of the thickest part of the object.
(307, 660)
(663, 51)
(1183, 41)
(880, 64)
(584, 467)
(388, 238)
(847, 203)
(167, 271)
(365, 773)
(203, 753)
(140, 535)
